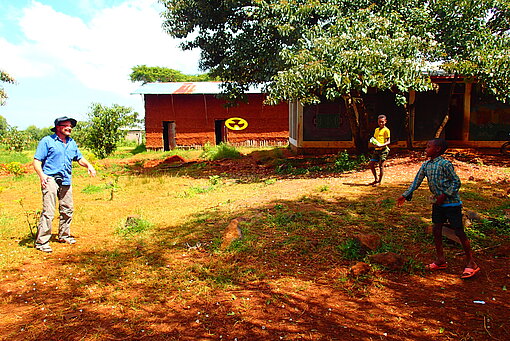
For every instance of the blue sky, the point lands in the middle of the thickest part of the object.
(67, 54)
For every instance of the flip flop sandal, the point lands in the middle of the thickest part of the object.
(469, 272)
(434, 266)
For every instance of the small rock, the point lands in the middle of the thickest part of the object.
(359, 269)
(390, 260)
(232, 232)
(369, 242)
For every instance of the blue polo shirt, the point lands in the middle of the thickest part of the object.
(57, 157)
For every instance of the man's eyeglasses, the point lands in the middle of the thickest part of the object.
(65, 125)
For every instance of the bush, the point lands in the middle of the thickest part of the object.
(344, 162)
(104, 130)
(220, 151)
(14, 168)
(16, 140)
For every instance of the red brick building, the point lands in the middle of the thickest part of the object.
(191, 114)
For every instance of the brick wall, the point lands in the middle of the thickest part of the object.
(195, 117)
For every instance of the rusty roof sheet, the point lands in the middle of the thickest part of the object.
(185, 88)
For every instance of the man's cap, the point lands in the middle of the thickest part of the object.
(63, 119)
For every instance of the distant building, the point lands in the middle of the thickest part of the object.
(134, 135)
(474, 119)
(191, 114)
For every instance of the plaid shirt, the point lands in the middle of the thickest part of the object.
(441, 178)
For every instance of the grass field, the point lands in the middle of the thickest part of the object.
(151, 258)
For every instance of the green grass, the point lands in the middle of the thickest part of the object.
(133, 226)
(21, 157)
(220, 151)
(350, 249)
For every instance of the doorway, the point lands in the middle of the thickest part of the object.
(169, 142)
(220, 131)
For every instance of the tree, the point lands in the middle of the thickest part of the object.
(104, 129)
(5, 78)
(37, 134)
(308, 50)
(151, 74)
(16, 140)
(3, 125)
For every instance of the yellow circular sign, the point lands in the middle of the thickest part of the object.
(236, 123)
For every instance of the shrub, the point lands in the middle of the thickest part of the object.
(15, 139)
(14, 168)
(344, 162)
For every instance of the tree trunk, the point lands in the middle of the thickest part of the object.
(447, 115)
(358, 121)
(407, 125)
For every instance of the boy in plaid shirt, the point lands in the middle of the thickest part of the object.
(444, 185)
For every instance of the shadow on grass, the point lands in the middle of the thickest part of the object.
(285, 279)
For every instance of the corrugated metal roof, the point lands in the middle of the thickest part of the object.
(183, 88)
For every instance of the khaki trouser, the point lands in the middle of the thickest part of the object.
(50, 194)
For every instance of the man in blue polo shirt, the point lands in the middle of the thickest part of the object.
(53, 163)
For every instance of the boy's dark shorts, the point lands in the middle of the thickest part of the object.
(451, 214)
(380, 155)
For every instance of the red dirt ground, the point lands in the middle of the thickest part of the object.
(389, 306)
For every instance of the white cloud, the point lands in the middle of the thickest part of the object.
(21, 61)
(99, 52)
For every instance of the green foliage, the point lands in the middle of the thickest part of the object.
(288, 167)
(16, 140)
(332, 48)
(350, 249)
(14, 168)
(134, 225)
(36, 134)
(151, 74)
(7, 156)
(313, 51)
(4, 78)
(220, 151)
(104, 130)
(344, 162)
(499, 224)
(139, 149)
(3, 126)
(214, 182)
(91, 189)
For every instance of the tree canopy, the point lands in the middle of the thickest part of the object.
(308, 49)
(103, 131)
(5, 78)
(151, 74)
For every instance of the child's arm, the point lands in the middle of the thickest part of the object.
(401, 200)
(408, 194)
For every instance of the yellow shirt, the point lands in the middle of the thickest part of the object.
(381, 135)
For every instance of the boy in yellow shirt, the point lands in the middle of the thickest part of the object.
(381, 140)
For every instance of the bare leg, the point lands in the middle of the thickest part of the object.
(466, 245)
(437, 231)
(381, 170)
(371, 164)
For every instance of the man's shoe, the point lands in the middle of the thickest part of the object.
(68, 240)
(44, 247)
